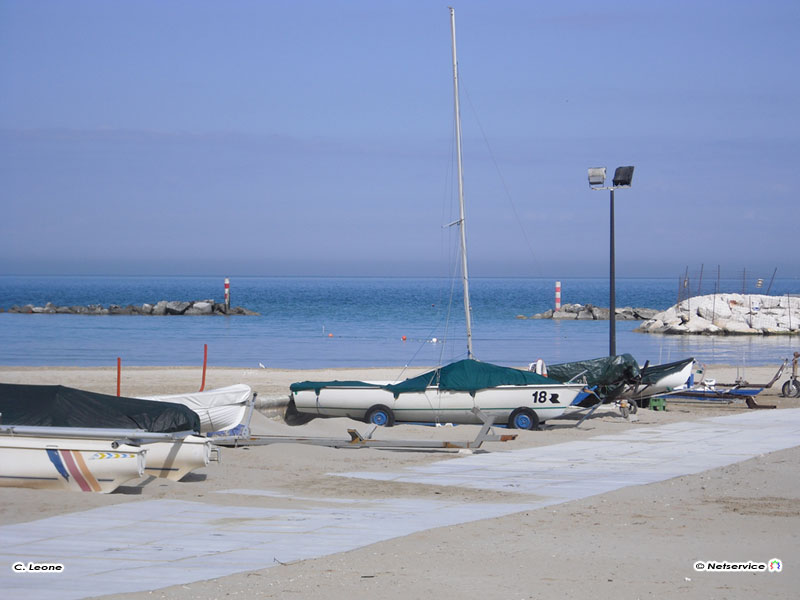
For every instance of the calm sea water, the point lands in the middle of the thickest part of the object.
(336, 322)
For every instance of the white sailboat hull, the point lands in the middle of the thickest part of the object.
(68, 464)
(95, 460)
(668, 383)
(174, 460)
(434, 405)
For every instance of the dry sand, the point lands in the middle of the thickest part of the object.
(637, 542)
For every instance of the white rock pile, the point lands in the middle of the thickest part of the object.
(729, 314)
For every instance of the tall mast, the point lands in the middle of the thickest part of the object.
(461, 221)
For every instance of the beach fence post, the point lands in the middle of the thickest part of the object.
(119, 374)
(558, 295)
(227, 294)
(205, 361)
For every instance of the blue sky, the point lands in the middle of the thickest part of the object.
(315, 138)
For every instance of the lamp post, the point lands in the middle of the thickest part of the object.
(597, 181)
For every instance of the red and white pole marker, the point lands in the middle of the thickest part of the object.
(558, 295)
(227, 293)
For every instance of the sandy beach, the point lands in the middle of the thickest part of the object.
(639, 541)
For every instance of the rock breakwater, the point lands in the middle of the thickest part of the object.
(588, 312)
(729, 314)
(161, 308)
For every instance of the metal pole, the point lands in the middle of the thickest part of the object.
(462, 223)
(612, 310)
(700, 283)
(771, 280)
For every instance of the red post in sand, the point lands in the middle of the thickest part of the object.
(205, 360)
(119, 374)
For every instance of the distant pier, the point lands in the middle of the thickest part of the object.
(589, 312)
(160, 308)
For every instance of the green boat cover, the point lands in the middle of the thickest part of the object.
(60, 406)
(610, 373)
(302, 386)
(462, 376)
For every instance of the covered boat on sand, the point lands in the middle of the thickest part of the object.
(664, 378)
(221, 409)
(610, 376)
(58, 437)
(616, 377)
(61, 406)
(446, 394)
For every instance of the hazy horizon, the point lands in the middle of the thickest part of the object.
(264, 139)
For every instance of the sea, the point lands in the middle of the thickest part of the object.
(316, 322)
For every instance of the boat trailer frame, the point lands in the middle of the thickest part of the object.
(357, 440)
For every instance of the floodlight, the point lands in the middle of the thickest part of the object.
(623, 176)
(622, 179)
(597, 176)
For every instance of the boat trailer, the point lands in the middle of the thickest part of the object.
(357, 440)
(730, 392)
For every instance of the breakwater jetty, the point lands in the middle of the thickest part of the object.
(160, 308)
(588, 312)
(729, 314)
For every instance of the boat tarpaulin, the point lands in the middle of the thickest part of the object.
(227, 396)
(463, 376)
(468, 375)
(61, 406)
(219, 409)
(610, 373)
(302, 386)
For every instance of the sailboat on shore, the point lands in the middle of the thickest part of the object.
(453, 392)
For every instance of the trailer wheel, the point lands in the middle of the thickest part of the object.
(380, 415)
(523, 418)
(791, 389)
(630, 408)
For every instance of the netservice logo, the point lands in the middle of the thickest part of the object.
(775, 565)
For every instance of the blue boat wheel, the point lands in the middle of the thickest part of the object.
(523, 418)
(522, 421)
(380, 415)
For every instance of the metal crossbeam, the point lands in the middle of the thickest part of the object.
(358, 440)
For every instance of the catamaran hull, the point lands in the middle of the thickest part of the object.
(669, 382)
(68, 464)
(431, 406)
(174, 460)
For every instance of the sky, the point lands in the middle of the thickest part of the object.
(315, 138)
